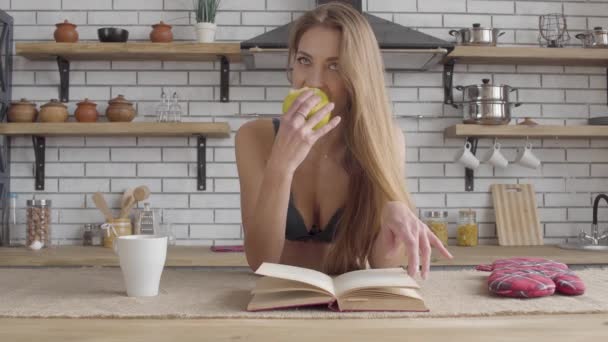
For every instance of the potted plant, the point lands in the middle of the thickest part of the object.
(205, 26)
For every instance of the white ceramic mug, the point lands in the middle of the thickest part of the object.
(142, 259)
(466, 157)
(495, 157)
(526, 158)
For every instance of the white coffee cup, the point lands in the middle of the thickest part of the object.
(142, 259)
(526, 158)
(466, 157)
(495, 157)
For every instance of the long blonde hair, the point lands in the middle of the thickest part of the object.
(372, 157)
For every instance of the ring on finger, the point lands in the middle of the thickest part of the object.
(303, 115)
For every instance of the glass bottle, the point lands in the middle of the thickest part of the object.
(438, 223)
(38, 228)
(162, 109)
(97, 236)
(175, 109)
(87, 236)
(467, 231)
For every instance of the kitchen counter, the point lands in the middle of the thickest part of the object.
(545, 328)
(202, 256)
(506, 328)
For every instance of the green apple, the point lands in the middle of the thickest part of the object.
(294, 93)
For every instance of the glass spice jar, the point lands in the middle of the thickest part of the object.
(438, 223)
(97, 235)
(87, 235)
(467, 231)
(38, 228)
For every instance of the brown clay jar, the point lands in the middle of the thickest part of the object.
(86, 111)
(161, 33)
(53, 111)
(22, 111)
(65, 32)
(120, 110)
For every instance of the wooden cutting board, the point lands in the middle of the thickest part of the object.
(517, 222)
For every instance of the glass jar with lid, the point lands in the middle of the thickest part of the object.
(437, 221)
(38, 228)
(467, 231)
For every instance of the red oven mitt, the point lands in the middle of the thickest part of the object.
(531, 277)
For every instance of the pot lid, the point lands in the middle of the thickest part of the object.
(54, 103)
(87, 102)
(23, 101)
(402, 48)
(161, 24)
(64, 23)
(120, 99)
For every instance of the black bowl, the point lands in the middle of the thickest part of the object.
(112, 35)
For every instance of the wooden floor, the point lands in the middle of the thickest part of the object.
(202, 256)
(551, 328)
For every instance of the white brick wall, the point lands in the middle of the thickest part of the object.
(573, 170)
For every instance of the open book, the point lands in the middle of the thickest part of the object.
(383, 289)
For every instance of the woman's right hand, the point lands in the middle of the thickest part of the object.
(296, 136)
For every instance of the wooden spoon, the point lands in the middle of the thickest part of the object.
(102, 205)
(125, 197)
(127, 208)
(141, 193)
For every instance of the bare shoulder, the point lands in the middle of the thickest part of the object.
(255, 136)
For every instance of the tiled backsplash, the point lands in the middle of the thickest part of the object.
(573, 170)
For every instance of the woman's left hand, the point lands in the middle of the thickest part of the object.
(401, 226)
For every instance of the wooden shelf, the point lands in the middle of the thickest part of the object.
(209, 129)
(521, 131)
(40, 130)
(64, 53)
(185, 51)
(528, 55)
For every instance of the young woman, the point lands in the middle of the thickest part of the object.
(332, 199)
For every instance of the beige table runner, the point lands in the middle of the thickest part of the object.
(196, 293)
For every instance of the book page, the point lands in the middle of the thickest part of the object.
(304, 275)
(380, 277)
(271, 284)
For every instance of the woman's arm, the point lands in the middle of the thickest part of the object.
(265, 185)
(265, 188)
(384, 242)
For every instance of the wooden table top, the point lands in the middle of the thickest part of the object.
(202, 256)
(538, 328)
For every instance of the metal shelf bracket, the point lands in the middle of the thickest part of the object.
(64, 77)
(448, 83)
(224, 79)
(469, 174)
(39, 149)
(201, 163)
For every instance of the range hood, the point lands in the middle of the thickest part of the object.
(402, 48)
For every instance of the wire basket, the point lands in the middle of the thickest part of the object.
(553, 30)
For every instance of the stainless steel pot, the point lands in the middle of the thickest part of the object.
(477, 35)
(485, 92)
(596, 38)
(487, 112)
